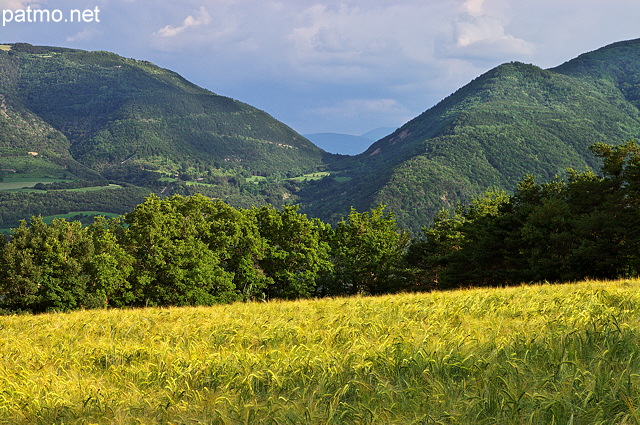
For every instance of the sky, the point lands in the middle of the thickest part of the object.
(328, 66)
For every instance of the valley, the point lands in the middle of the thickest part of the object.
(95, 116)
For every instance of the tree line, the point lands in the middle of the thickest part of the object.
(194, 250)
(584, 226)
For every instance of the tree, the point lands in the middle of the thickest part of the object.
(368, 250)
(110, 265)
(192, 250)
(173, 263)
(430, 254)
(586, 226)
(297, 253)
(471, 247)
(43, 267)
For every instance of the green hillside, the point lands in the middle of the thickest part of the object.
(86, 117)
(118, 111)
(513, 120)
(98, 117)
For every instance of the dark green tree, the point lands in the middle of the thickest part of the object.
(586, 226)
(368, 251)
(43, 268)
(297, 252)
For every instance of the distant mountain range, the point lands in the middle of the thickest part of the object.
(97, 117)
(348, 144)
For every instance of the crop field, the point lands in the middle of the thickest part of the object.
(86, 217)
(17, 183)
(545, 354)
(318, 175)
(93, 188)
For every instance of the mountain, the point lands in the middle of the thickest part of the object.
(516, 119)
(88, 118)
(347, 144)
(83, 117)
(116, 111)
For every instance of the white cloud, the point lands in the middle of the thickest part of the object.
(17, 4)
(486, 36)
(474, 7)
(84, 35)
(199, 19)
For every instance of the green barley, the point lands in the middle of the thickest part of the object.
(525, 355)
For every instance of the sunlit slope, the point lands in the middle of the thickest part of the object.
(117, 111)
(536, 354)
(516, 119)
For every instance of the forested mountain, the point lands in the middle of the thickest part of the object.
(91, 117)
(95, 117)
(513, 120)
(115, 111)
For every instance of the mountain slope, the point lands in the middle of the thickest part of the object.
(73, 120)
(116, 111)
(513, 120)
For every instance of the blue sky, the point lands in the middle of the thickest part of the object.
(334, 66)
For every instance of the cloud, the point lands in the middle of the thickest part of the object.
(486, 36)
(84, 35)
(17, 4)
(474, 7)
(481, 31)
(199, 19)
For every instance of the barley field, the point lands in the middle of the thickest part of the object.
(544, 354)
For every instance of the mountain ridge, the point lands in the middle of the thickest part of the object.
(513, 120)
(113, 109)
(156, 129)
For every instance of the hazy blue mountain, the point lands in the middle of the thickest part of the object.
(348, 144)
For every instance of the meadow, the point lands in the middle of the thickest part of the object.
(541, 354)
(25, 183)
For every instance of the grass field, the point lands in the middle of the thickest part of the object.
(26, 184)
(17, 183)
(86, 217)
(311, 176)
(93, 188)
(565, 354)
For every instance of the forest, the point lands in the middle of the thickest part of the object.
(78, 117)
(194, 250)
